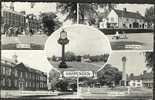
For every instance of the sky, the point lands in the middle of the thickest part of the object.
(47, 7)
(33, 58)
(36, 59)
(135, 61)
(83, 40)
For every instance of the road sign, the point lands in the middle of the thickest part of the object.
(78, 73)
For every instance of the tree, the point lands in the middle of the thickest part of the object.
(50, 22)
(53, 78)
(149, 59)
(62, 85)
(86, 11)
(70, 56)
(149, 14)
(108, 75)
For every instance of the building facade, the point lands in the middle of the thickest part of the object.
(145, 80)
(18, 76)
(125, 19)
(32, 23)
(11, 18)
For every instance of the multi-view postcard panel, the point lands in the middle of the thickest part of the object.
(131, 75)
(28, 25)
(77, 50)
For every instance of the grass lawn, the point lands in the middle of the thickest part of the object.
(13, 47)
(79, 66)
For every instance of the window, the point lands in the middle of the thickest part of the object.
(9, 71)
(112, 19)
(16, 73)
(26, 74)
(15, 82)
(26, 85)
(3, 70)
(9, 82)
(3, 82)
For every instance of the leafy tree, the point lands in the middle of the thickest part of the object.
(86, 11)
(53, 78)
(62, 85)
(149, 14)
(70, 56)
(50, 22)
(149, 59)
(108, 75)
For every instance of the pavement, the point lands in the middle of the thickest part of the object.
(20, 93)
(136, 94)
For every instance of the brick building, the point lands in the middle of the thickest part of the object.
(11, 18)
(16, 76)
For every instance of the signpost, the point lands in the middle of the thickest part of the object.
(78, 74)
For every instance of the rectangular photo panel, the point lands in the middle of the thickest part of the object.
(27, 25)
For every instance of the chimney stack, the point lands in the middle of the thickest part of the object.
(124, 9)
(14, 57)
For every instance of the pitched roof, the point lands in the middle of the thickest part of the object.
(128, 14)
(147, 76)
(139, 77)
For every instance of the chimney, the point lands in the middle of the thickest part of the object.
(137, 12)
(23, 12)
(12, 6)
(14, 57)
(124, 9)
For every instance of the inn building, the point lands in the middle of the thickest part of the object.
(19, 76)
(124, 19)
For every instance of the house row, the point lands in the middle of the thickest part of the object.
(144, 80)
(18, 76)
(124, 19)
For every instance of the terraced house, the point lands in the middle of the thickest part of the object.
(16, 76)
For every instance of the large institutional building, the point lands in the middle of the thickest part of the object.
(11, 18)
(16, 75)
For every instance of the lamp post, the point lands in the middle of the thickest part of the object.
(63, 40)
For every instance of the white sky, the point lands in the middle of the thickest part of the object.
(34, 58)
(135, 61)
(47, 7)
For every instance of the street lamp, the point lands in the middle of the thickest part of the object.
(63, 40)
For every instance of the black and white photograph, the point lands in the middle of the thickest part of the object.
(27, 25)
(130, 76)
(74, 50)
